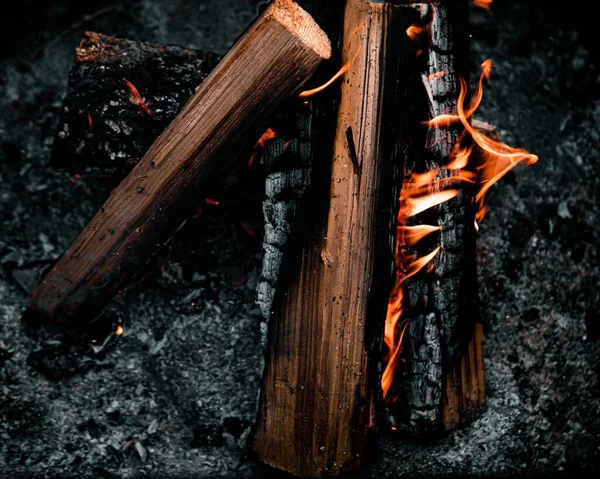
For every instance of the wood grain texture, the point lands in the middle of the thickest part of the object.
(269, 62)
(317, 413)
(464, 393)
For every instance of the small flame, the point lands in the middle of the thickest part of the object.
(210, 201)
(436, 75)
(90, 121)
(414, 234)
(339, 74)
(461, 158)
(137, 98)
(418, 205)
(119, 330)
(268, 135)
(415, 31)
(485, 4)
(388, 373)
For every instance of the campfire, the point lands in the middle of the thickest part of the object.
(362, 120)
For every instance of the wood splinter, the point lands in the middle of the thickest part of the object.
(271, 61)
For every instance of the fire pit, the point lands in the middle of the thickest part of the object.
(152, 363)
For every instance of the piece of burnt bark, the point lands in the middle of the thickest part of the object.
(105, 126)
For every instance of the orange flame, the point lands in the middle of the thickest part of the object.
(485, 4)
(137, 98)
(415, 31)
(436, 75)
(414, 234)
(90, 121)
(339, 74)
(418, 205)
(119, 330)
(210, 201)
(268, 135)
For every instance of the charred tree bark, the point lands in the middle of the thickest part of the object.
(273, 58)
(440, 378)
(317, 413)
(104, 128)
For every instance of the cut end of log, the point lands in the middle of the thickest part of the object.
(298, 22)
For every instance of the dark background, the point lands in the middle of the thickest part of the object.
(176, 394)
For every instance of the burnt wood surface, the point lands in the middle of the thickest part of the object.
(272, 60)
(317, 412)
(103, 128)
(440, 377)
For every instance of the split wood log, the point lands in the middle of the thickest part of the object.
(439, 381)
(317, 413)
(269, 62)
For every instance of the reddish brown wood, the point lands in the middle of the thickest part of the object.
(270, 61)
(317, 413)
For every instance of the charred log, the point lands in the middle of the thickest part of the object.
(104, 127)
(440, 377)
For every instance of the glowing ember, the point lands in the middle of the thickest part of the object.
(436, 75)
(90, 122)
(119, 330)
(415, 31)
(210, 201)
(426, 190)
(137, 98)
(268, 135)
(485, 4)
(247, 228)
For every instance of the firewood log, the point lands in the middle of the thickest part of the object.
(317, 413)
(439, 379)
(270, 61)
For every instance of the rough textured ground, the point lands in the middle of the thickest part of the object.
(175, 395)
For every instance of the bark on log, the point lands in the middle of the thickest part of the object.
(440, 378)
(273, 58)
(317, 413)
(103, 128)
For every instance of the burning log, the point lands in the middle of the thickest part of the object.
(317, 412)
(455, 300)
(122, 95)
(273, 58)
(434, 377)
